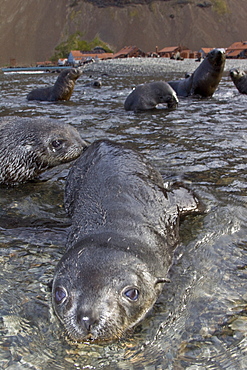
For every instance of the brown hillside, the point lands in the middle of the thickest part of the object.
(30, 29)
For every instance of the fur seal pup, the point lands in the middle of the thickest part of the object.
(120, 247)
(148, 95)
(62, 89)
(205, 79)
(239, 78)
(29, 146)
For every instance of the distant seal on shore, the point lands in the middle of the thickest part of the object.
(62, 89)
(124, 231)
(205, 79)
(239, 79)
(148, 95)
(29, 146)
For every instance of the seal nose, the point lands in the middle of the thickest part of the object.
(87, 320)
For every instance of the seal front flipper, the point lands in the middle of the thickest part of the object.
(187, 201)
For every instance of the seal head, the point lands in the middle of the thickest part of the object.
(239, 79)
(100, 295)
(30, 146)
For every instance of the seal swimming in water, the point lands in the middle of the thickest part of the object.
(96, 84)
(239, 78)
(205, 79)
(62, 89)
(29, 146)
(148, 95)
(120, 247)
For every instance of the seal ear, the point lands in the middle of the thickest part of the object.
(162, 280)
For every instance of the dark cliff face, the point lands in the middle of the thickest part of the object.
(30, 29)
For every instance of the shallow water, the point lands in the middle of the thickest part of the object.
(200, 320)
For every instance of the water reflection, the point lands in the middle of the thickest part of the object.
(200, 319)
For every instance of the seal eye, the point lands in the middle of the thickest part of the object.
(60, 295)
(132, 294)
(56, 143)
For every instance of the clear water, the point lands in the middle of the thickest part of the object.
(200, 320)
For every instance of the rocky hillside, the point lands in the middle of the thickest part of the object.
(30, 29)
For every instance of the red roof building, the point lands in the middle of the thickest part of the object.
(169, 51)
(177, 52)
(77, 56)
(237, 50)
(129, 52)
(204, 51)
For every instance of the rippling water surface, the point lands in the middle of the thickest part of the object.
(200, 320)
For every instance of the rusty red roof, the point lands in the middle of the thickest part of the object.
(78, 55)
(126, 50)
(97, 55)
(206, 50)
(240, 45)
(169, 49)
(234, 53)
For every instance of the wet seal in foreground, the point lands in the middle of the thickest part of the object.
(29, 146)
(62, 89)
(124, 231)
(205, 79)
(148, 95)
(239, 78)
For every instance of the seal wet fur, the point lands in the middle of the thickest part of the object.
(124, 230)
(148, 95)
(29, 146)
(62, 89)
(205, 79)
(239, 78)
